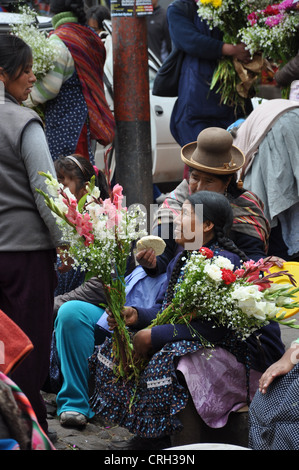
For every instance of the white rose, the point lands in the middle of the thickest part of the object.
(246, 292)
(222, 262)
(213, 272)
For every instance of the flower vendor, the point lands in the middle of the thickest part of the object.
(213, 167)
(74, 172)
(29, 234)
(151, 413)
(76, 109)
(198, 107)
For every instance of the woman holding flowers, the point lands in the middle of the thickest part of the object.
(75, 172)
(159, 396)
(28, 233)
(198, 107)
(213, 163)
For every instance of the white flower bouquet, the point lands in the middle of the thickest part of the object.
(99, 236)
(242, 300)
(43, 51)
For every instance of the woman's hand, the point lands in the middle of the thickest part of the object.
(281, 367)
(276, 260)
(66, 260)
(142, 343)
(130, 315)
(147, 258)
(238, 51)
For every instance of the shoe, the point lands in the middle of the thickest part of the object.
(72, 419)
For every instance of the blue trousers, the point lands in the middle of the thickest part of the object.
(74, 331)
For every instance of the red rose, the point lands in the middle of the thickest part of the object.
(271, 10)
(206, 252)
(228, 276)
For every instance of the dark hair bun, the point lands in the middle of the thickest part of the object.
(75, 6)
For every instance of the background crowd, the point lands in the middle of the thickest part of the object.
(241, 165)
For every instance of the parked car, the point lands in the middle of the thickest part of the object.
(167, 166)
(8, 18)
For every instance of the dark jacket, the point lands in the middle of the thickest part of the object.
(288, 73)
(197, 107)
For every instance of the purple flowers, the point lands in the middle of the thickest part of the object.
(273, 14)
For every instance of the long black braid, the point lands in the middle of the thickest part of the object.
(217, 209)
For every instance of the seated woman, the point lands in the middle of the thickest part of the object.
(160, 396)
(74, 172)
(273, 414)
(214, 163)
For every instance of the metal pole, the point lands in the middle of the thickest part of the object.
(132, 109)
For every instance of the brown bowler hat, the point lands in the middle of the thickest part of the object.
(213, 152)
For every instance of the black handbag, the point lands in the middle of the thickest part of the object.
(166, 82)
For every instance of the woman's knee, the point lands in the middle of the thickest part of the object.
(70, 314)
(77, 312)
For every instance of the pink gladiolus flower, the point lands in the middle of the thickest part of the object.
(84, 228)
(117, 196)
(239, 272)
(72, 212)
(250, 264)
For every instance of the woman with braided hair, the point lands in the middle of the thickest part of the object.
(153, 415)
(214, 163)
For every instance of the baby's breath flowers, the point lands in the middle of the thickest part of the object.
(244, 300)
(43, 50)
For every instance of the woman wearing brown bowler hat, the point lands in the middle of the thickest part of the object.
(213, 163)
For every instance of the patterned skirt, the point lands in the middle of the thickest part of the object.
(274, 416)
(148, 410)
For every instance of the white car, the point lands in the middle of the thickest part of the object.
(167, 166)
(6, 19)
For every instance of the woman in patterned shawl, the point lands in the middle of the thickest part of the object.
(76, 110)
(214, 163)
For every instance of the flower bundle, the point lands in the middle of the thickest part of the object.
(211, 290)
(99, 237)
(273, 31)
(43, 51)
(230, 17)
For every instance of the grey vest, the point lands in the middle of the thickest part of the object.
(21, 226)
